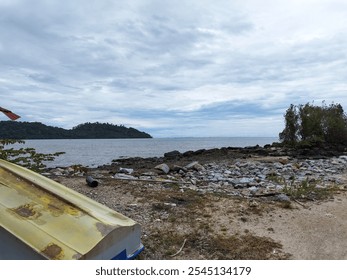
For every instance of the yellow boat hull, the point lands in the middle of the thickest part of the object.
(42, 219)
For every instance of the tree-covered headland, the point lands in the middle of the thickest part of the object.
(37, 130)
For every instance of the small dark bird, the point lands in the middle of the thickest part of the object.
(9, 114)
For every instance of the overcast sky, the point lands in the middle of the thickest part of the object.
(171, 68)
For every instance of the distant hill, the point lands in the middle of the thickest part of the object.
(37, 130)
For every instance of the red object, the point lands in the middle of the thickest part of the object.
(9, 114)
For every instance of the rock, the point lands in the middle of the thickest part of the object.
(253, 203)
(284, 161)
(191, 165)
(163, 167)
(344, 158)
(126, 170)
(278, 165)
(253, 190)
(282, 197)
(178, 168)
(245, 180)
(69, 170)
(196, 166)
(172, 154)
(170, 204)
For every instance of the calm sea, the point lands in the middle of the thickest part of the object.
(95, 152)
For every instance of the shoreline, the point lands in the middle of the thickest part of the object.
(227, 204)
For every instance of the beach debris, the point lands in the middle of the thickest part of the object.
(180, 250)
(91, 182)
(123, 176)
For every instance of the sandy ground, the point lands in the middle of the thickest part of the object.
(184, 224)
(318, 232)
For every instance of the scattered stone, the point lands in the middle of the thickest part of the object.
(253, 203)
(163, 167)
(191, 165)
(178, 168)
(283, 161)
(282, 197)
(235, 176)
(126, 170)
(253, 190)
(132, 205)
(170, 204)
(198, 167)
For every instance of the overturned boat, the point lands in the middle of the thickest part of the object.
(42, 219)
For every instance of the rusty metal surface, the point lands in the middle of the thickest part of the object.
(54, 220)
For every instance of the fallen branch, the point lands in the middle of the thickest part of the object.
(303, 205)
(265, 194)
(180, 250)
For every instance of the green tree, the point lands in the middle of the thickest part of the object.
(290, 134)
(315, 125)
(334, 124)
(311, 126)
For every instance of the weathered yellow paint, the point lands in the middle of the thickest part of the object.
(52, 219)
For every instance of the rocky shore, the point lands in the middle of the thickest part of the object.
(230, 203)
(253, 171)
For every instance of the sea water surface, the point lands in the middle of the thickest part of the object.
(95, 152)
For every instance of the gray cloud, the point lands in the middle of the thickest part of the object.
(172, 69)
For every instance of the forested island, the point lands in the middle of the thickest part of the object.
(37, 130)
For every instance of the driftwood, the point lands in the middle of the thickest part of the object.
(180, 250)
(265, 194)
(303, 205)
(274, 194)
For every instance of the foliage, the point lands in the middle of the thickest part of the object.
(308, 190)
(27, 157)
(36, 130)
(290, 133)
(308, 125)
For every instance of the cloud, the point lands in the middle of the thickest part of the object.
(198, 68)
